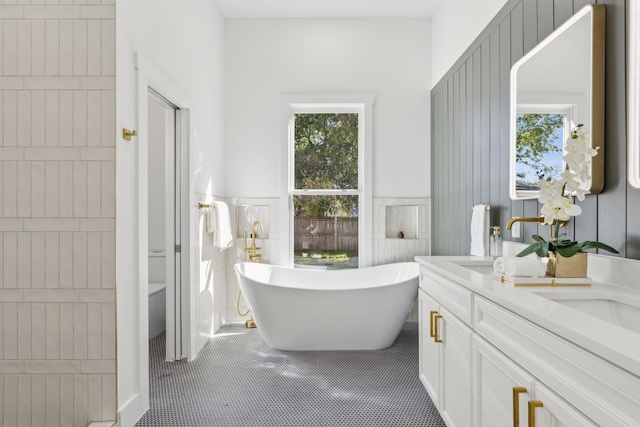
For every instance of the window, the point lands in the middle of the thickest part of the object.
(327, 190)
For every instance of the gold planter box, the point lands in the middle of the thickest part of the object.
(575, 266)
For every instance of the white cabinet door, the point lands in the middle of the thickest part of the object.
(429, 350)
(550, 410)
(504, 394)
(455, 365)
(501, 388)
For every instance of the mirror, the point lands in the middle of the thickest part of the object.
(555, 87)
(633, 111)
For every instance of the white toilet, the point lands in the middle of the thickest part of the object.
(157, 294)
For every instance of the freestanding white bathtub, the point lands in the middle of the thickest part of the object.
(359, 309)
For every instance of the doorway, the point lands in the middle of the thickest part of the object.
(164, 231)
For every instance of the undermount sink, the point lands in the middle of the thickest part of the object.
(481, 266)
(620, 310)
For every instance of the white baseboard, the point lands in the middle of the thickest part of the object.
(131, 411)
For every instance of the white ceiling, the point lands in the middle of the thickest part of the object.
(328, 8)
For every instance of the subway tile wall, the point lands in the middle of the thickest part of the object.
(385, 250)
(57, 212)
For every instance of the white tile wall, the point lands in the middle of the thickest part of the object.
(392, 249)
(57, 212)
(245, 211)
(385, 250)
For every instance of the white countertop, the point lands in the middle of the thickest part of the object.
(613, 343)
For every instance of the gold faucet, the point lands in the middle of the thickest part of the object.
(253, 250)
(539, 220)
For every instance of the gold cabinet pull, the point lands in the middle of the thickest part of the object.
(516, 405)
(533, 404)
(431, 332)
(436, 333)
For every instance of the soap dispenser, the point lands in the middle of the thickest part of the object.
(495, 243)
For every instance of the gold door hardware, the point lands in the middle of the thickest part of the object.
(431, 333)
(533, 404)
(516, 405)
(127, 134)
(436, 333)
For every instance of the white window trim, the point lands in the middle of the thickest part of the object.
(362, 103)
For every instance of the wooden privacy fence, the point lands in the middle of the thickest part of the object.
(323, 233)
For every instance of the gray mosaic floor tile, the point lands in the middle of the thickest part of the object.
(237, 380)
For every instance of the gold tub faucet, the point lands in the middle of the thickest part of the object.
(253, 250)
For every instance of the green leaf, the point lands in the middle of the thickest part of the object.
(569, 251)
(538, 238)
(542, 250)
(528, 250)
(597, 245)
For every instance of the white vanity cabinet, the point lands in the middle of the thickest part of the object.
(429, 349)
(445, 353)
(507, 395)
(486, 366)
(576, 387)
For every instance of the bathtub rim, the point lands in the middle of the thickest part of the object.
(332, 285)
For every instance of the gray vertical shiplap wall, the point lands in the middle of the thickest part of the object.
(470, 134)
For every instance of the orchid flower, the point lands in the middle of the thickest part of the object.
(557, 195)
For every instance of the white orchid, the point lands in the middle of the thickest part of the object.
(577, 157)
(556, 197)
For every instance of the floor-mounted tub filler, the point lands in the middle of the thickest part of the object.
(359, 309)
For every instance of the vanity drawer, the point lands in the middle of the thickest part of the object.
(601, 390)
(455, 298)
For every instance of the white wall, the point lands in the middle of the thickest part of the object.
(389, 58)
(185, 41)
(455, 25)
(157, 175)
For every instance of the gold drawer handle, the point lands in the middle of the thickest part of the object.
(533, 404)
(516, 405)
(431, 333)
(436, 333)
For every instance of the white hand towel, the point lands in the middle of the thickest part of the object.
(525, 267)
(500, 264)
(210, 218)
(223, 237)
(480, 231)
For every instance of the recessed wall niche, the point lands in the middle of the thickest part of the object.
(247, 214)
(401, 222)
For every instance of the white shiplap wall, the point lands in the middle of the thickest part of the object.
(57, 212)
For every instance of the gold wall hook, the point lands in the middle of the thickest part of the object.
(127, 134)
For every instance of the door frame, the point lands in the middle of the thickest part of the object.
(148, 76)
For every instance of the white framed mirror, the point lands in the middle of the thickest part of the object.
(555, 87)
(633, 109)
